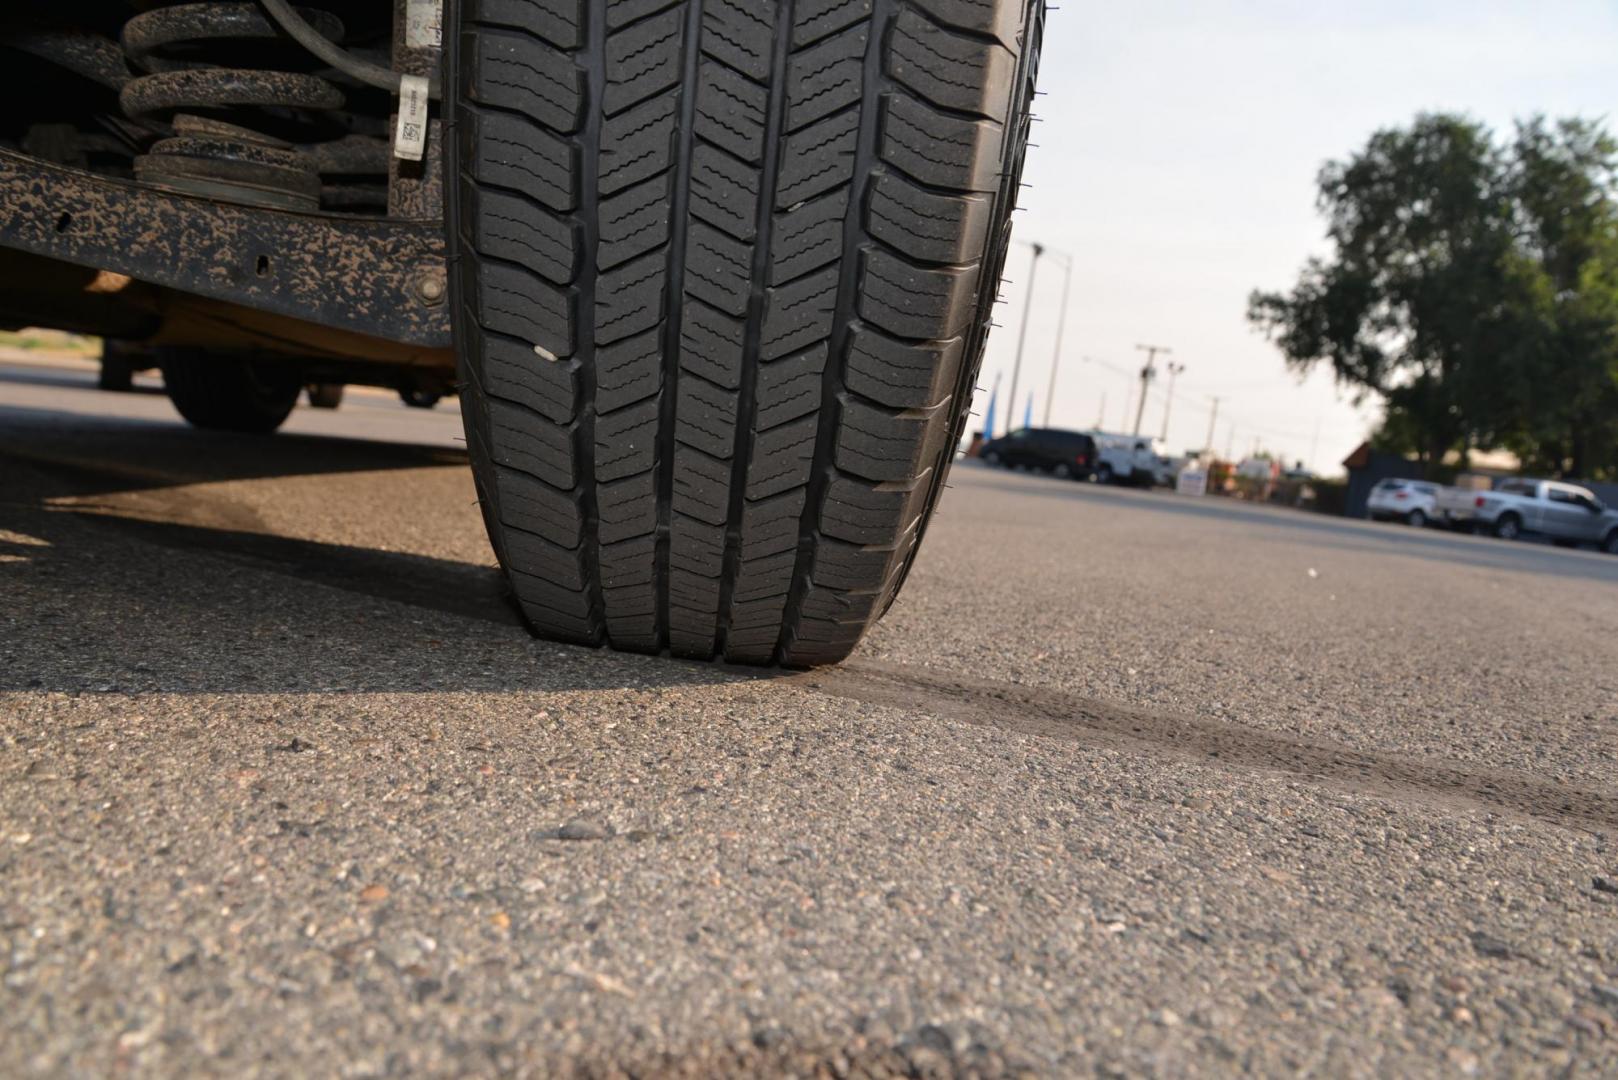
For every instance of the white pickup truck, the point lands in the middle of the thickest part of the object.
(1568, 514)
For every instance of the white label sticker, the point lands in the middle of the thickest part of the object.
(424, 24)
(410, 137)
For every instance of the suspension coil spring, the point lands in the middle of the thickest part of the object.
(218, 118)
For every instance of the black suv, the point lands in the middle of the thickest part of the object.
(1060, 453)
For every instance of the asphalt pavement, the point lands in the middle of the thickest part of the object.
(1125, 783)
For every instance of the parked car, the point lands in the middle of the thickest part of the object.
(1053, 450)
(1414, 502)
(1568, 514)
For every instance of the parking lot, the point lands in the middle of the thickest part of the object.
(1124, 781)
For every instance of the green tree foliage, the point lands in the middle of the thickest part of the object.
(1472, 287)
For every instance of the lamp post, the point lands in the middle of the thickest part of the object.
(1022, 335)
(1061, 320)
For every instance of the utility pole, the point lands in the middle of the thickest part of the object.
(1168, 402)
(1022, 335)
(1061, 320)
(1146, 375)
(1213, 418)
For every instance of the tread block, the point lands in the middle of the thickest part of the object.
(621, 13)
(789, 388)
(634, 221)
(808, 236)
(741, 33)
(529, 504)
(516, 373)
(541, 450)
(638, 144)
(514, 228)
(817, 159)
(718, 269)
(939, 149)
(511, 152)
(557, 21)
(826, 77)
(996, 18)
(814, 19)
(782, 457)
(902, 374)
(705, 417)
(626, 441)
(926, 224)
(770, 526)
(881, 445)
(523, 305)
(701, 485)
(628, 370)
(724, 192)
(644, 60)
(957, 72)
(627, 508)
(629, 298)
(799, 313)
(914, 301)
(517, 71)
(711, 345)
(730, 111)
(865, 513)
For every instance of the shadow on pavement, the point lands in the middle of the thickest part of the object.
(100, 598)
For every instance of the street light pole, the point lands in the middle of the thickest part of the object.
(1022, 335)
(1146, 374)
(1213, 418)
(1061, 320)
(1168, 402)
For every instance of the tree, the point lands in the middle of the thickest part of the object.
(1471, 287)
(1562, 182)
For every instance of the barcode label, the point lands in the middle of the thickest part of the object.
(410, 137)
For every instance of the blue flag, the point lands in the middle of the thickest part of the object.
(988, 416)
(1028, 411)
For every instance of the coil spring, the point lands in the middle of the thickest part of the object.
(219, 118)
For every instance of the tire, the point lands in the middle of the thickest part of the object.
(229, 392)
(326, 395)
(1062, 471)
(1416, 519)
(117, 371)
(1508, 527)
(722, 279)
(420, 399)
(1610, 544)
(992, 458)
(1104, 474)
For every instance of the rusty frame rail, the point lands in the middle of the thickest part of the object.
(376, 276)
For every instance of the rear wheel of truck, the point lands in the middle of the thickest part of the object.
(1508, 526)
(723, 272)
(229, 392)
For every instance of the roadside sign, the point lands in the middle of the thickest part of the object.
(1192, 482)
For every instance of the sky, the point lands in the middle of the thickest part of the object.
(1176, 153)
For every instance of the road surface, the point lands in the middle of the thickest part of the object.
(1125, 782)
